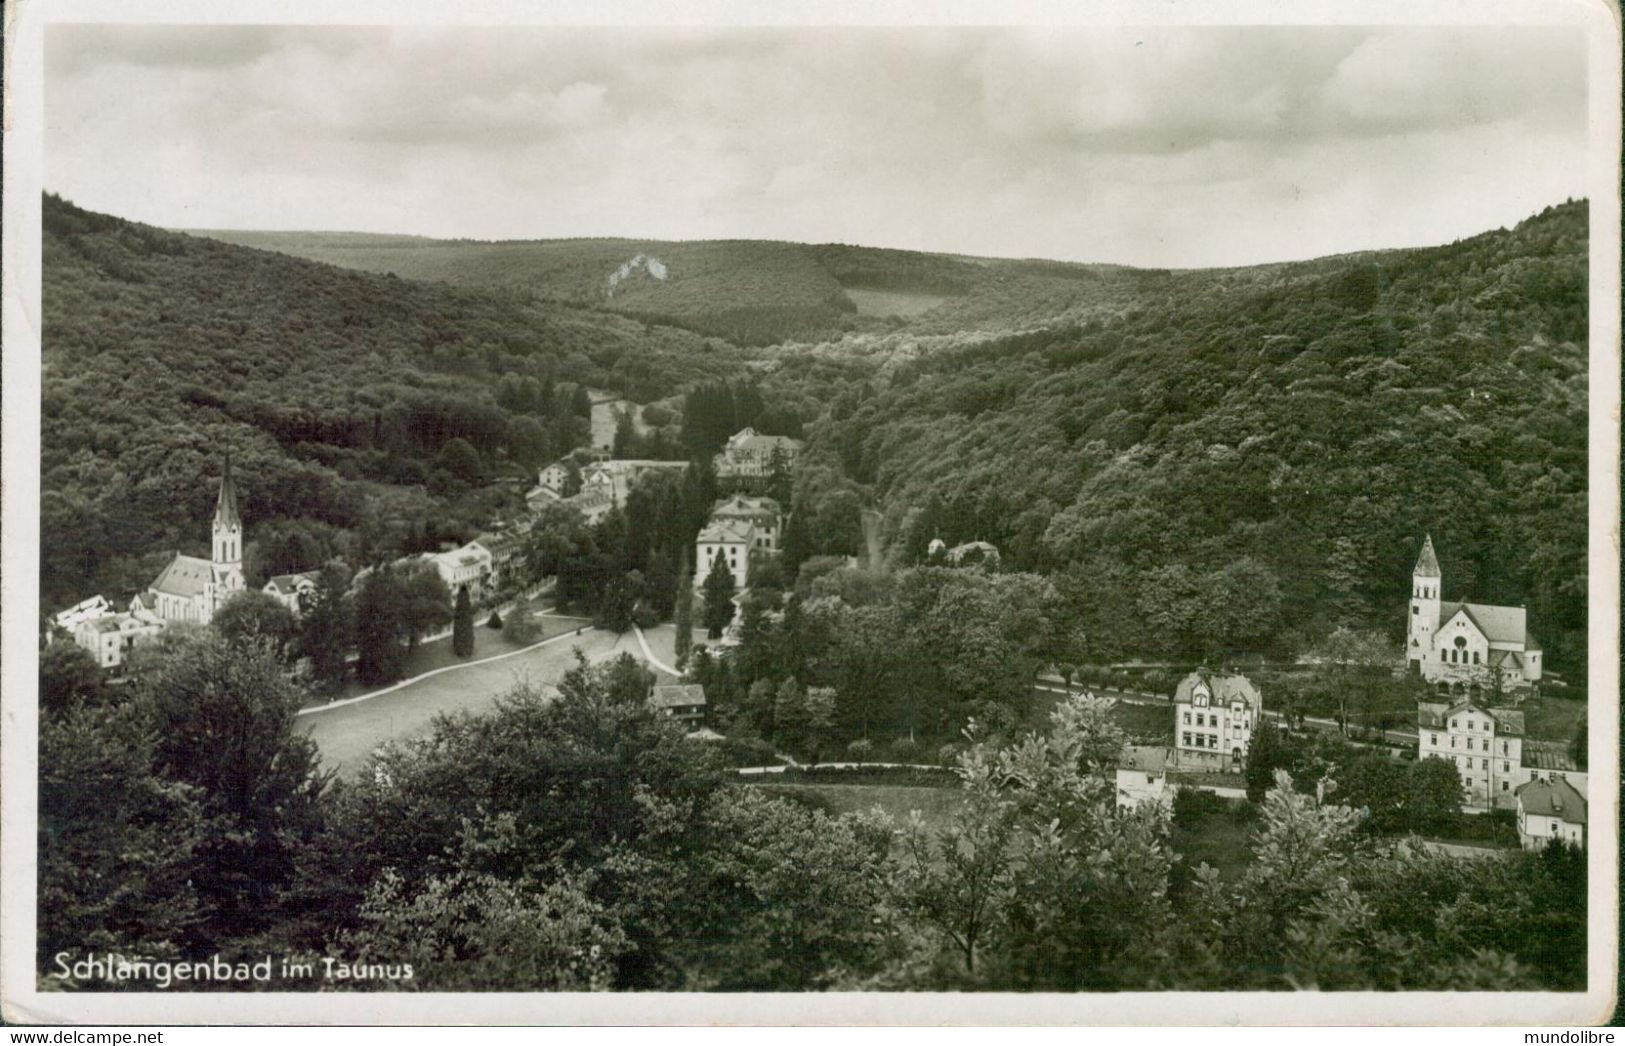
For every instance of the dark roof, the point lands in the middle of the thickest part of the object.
(1552, 799)
(1549, 755)
(1434, 715)
(1427, 564)
(186, 576)
(225, 506)
(1225, 689)
(290, 582)
(678, 695)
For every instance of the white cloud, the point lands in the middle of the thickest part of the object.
(1164, 147)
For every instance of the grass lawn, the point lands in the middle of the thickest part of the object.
(1145, 724)
(488, 642)
(1552, 718)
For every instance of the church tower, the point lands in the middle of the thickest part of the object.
(228, 542)
(1425, 585)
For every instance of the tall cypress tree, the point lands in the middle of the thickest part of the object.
(719, 594)
(684, 614)
(462, 624)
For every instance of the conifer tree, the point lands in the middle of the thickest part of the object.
(719, 594)
(684, 615)
(462, 624)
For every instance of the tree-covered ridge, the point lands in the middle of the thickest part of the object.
(1312, 419)
(753, 292)
(338, 392)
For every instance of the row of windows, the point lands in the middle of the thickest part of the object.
(1200, 740)
(1452, 657)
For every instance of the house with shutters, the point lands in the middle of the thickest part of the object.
(1466, 648)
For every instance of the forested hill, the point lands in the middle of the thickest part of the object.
(338, 393)
(751, 291)
(1276, 439)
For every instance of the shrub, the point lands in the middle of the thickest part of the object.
(746, 751)
(904, 750)
(860, 750)
(521, 627)
(494, 621)
(948, 754)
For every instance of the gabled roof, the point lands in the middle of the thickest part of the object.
(1434, 715)
(288, 584)
(1552, 799)
(746, 505)
(1427, 564)
(727, 532)
(677, 695)
(225, 506)
(1224, 689)
(186, 576)
(1499, 624)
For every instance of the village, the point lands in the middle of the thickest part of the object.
(1479, 661)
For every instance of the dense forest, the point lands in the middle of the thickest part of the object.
(1276, 437)
(1302, 424)
(366, 415)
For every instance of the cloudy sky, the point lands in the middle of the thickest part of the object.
(1172, 147)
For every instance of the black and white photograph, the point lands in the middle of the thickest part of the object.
(1101, 510)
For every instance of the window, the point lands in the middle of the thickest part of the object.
(1503, 786)
(1454, 723)
(1433, 739)
(1484, 764)
(1506, 768)
(1187, 719)
(1416, 609)
(1503, 748)
(1452, 742)
(1186, 739)
(1475, 657)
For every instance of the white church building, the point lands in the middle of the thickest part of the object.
(1462, 646)
(191, 589)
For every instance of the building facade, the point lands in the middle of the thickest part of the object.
(1550, 810)
(294, 591)
(1466, 647)
(191, 589)
(1142, 777)
(1484, 744)
(111, 637)
(764, 514)
(1215, 717)
(751, 455)
(726, 540)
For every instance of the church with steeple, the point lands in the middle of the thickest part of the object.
(191, 589)
(1466, 646)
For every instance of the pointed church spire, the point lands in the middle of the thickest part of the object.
(225, 507)
(1427, 564)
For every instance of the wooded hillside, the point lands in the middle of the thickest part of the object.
(337, 392)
